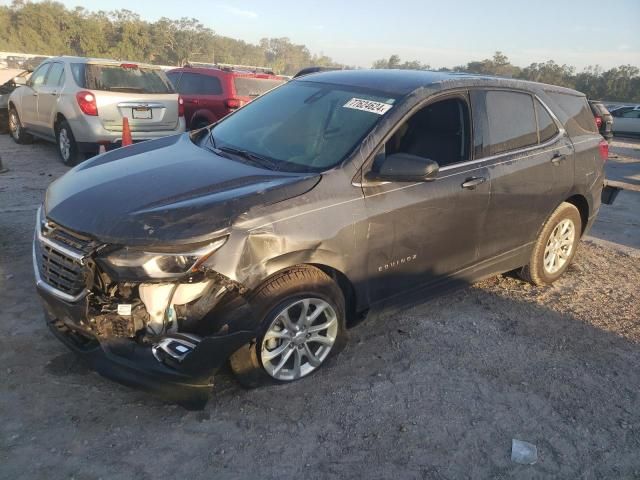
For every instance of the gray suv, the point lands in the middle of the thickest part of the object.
(80, 104)
(259, 238)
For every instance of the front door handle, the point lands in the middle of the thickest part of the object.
(557, 158)
(473, 182)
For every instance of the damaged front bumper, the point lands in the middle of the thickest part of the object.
(185, 377)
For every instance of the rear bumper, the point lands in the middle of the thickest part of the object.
(89, 130)
(188, 383)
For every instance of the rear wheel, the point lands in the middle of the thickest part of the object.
(555, 247)
(16, 130)
(67, 145)
(303, 324)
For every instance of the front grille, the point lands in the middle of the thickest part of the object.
(56, 266)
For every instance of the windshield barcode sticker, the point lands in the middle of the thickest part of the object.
(378, 108)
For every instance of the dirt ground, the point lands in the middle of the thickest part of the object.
(435, 391)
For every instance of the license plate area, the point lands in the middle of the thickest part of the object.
(141, 113)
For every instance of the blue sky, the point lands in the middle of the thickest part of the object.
(440, 33)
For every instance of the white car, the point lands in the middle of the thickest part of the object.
(80, 103)
(626, 120)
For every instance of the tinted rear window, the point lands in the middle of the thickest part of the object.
(253, 87)
(114, 78)
(546, 125)
(197, 84)
(512, 121)
(579, 117)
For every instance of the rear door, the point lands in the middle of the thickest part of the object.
(48, 97)
(203, 98)
(142, 94)
(29, 99)
(530, 164)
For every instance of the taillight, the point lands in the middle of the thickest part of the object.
(180, 107)
(87, 103)
(603, 146)
(234, 103)
(598, 121)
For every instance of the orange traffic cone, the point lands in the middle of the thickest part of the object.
(126, 132)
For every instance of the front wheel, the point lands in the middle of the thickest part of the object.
(303, 324)
(16, 130)
(555, 247)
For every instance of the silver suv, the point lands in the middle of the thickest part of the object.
(80, 104)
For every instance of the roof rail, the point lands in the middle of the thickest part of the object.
(231, 67)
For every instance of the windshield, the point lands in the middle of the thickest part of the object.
(303, 126)
(128, 78)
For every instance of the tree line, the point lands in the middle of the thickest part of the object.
(49, 28)
(616, 84)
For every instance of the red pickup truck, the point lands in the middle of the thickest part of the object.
(212, 91)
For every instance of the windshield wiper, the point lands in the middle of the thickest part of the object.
(254, 158)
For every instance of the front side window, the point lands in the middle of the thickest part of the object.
(511, 121)
(196, 84)
(439, 132)
(304, 126)
(37, 79)
(631, 114)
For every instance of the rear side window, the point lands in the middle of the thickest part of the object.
(196, 84)
(55, 77)
(579, 118)
(511, 121)
(631, 114)
(254, 87)
(121, 78)
(546, 126)
(174, 77)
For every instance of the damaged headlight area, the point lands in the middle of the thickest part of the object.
(130, 263)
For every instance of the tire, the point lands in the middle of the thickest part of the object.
(291, 291)
(67, 145)
(555, 246)
(16, 130)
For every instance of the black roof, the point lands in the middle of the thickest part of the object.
(403, 82)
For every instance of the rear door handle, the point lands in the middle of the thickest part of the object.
(557, 158)
(195, 102)
(473, 182)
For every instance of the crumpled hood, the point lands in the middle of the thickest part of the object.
(164, 191)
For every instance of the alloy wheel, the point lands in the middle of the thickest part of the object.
(559, 246)
(64, 143)
(299, 339)
(14, 125)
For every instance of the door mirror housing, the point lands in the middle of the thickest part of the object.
(20, 80)
(404, 167)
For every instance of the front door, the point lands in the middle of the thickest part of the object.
(422, 233)
(29, 100)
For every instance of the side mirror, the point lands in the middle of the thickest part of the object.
(404, 167)
(20, 80)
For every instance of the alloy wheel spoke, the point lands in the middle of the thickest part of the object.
(288, 324)
(316, 313)
(283, 360)
(313, 360)
(302, 319)
(277, 334)
(322, 326)
(320, 339)
(297, 361)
